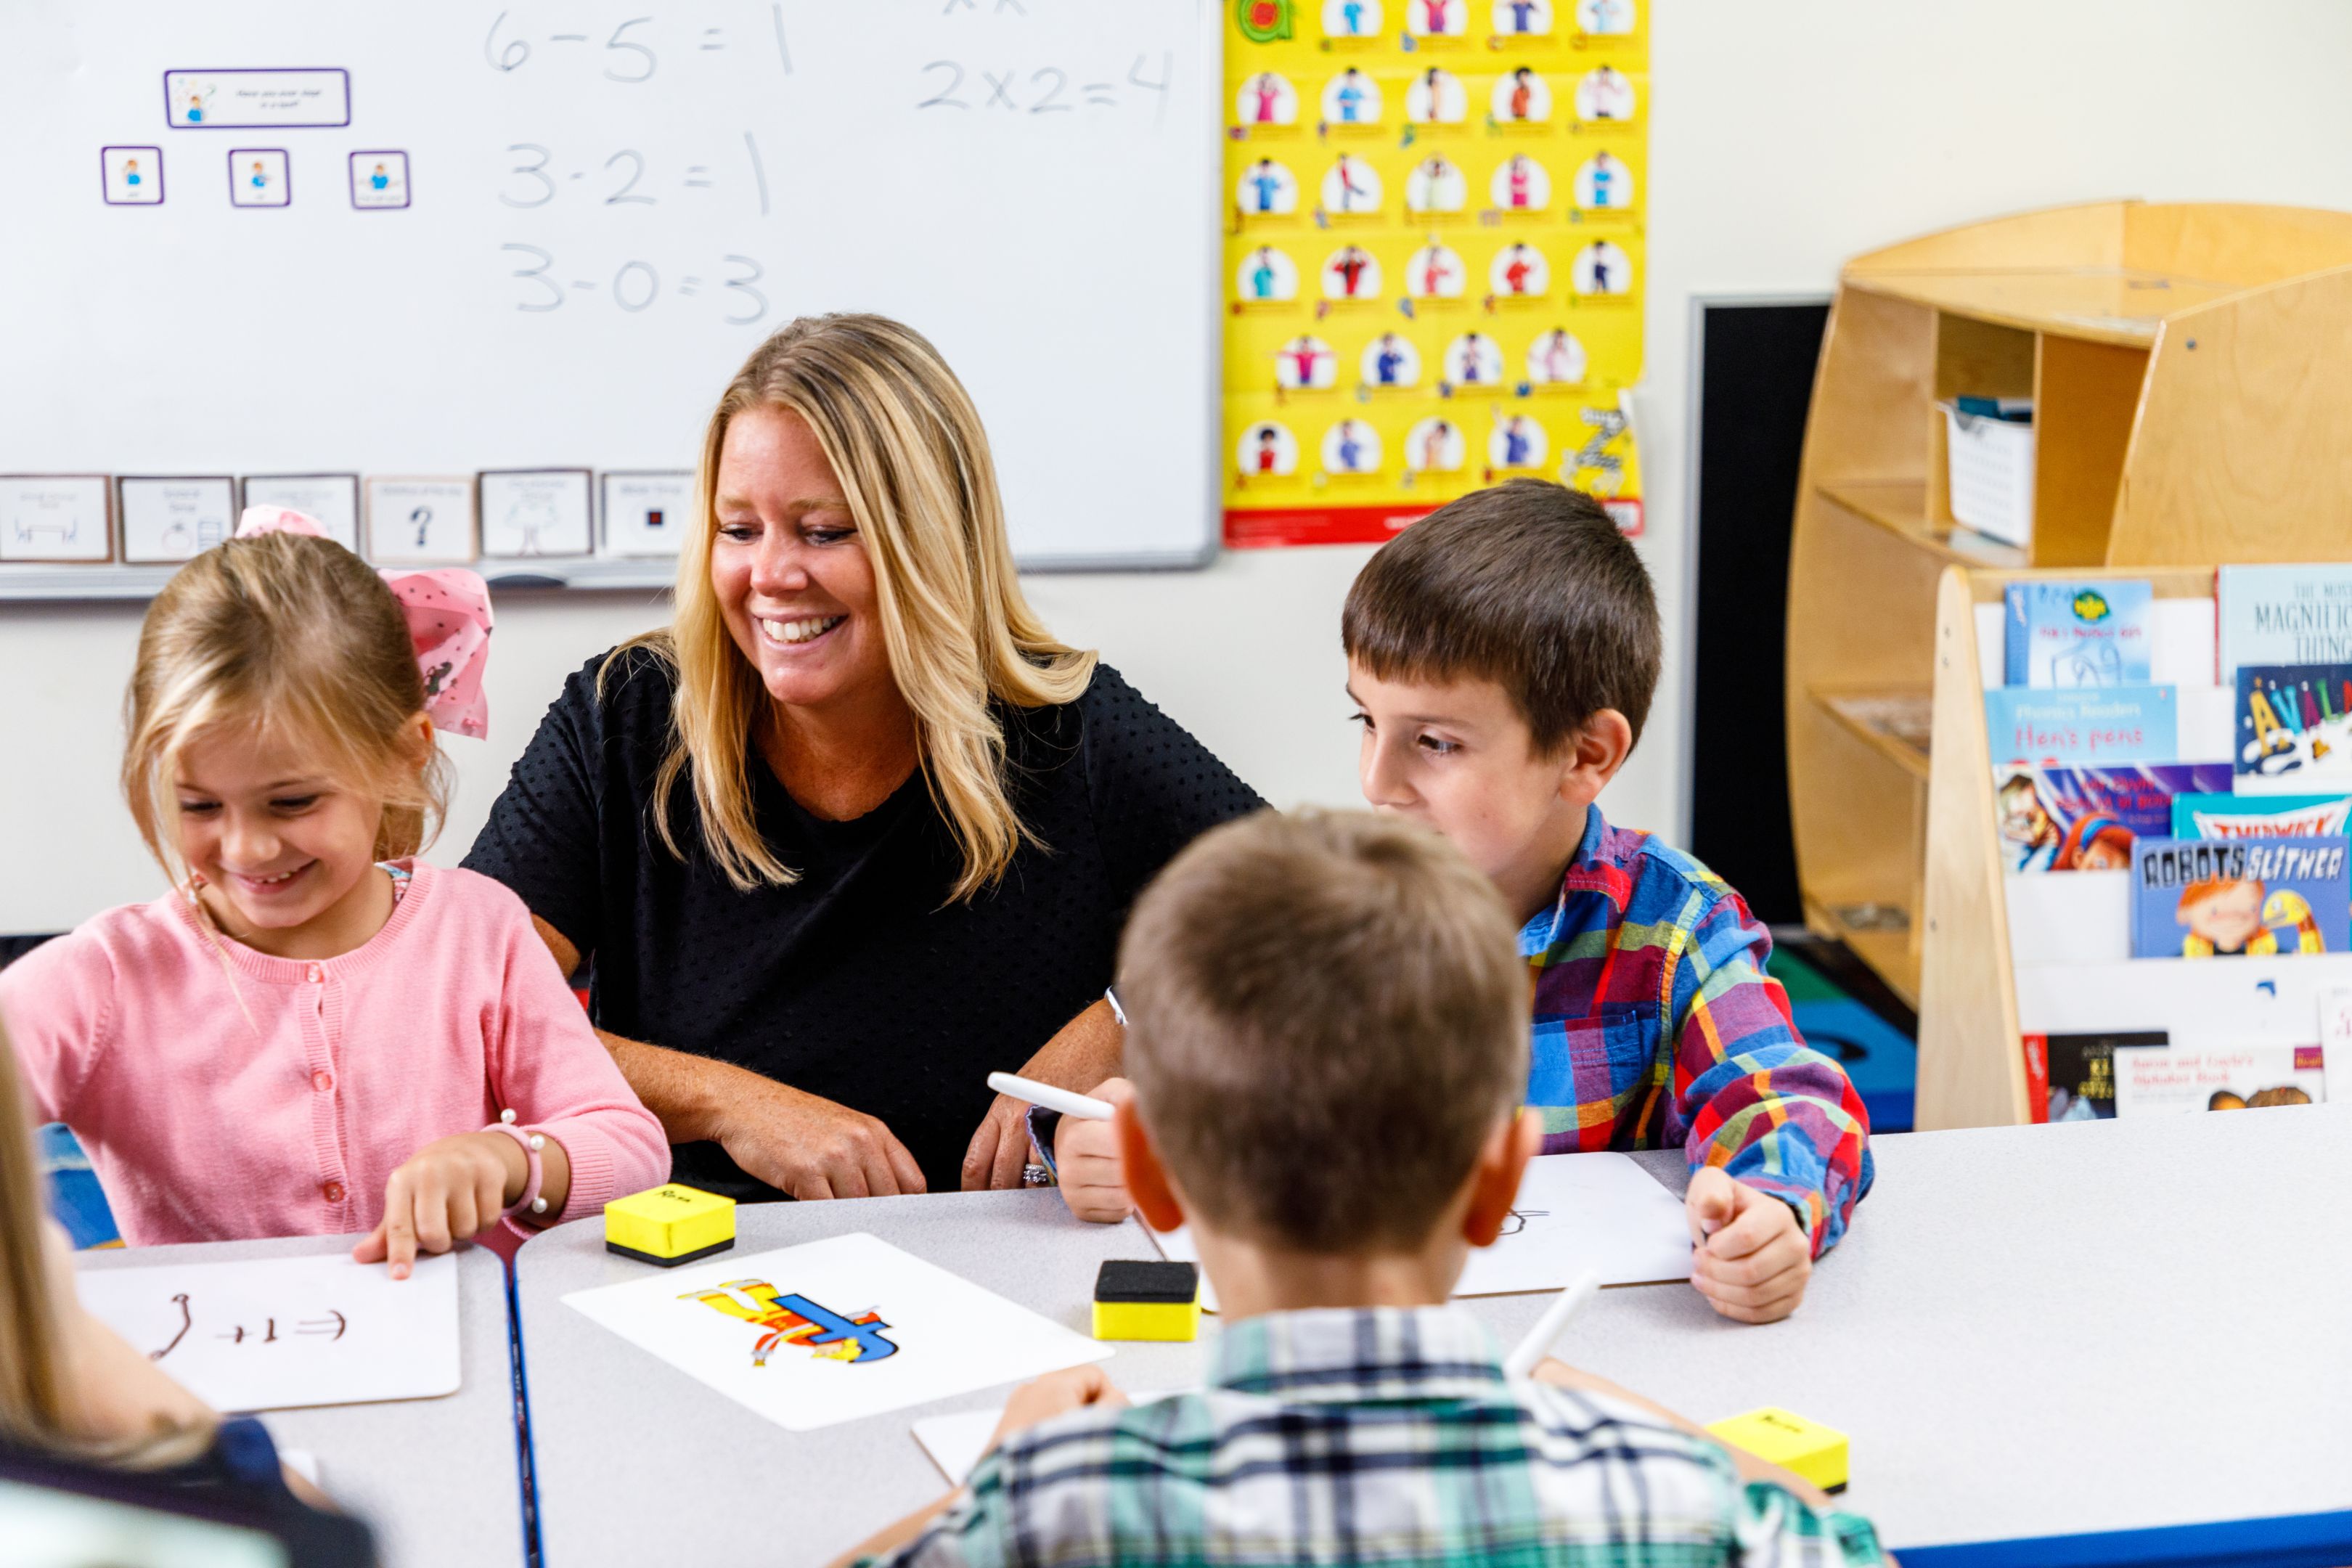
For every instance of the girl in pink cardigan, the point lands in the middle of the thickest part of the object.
(311, 1033)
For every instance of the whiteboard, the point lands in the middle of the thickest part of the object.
(552, 229)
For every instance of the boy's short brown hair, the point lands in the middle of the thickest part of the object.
(1327, 1018)
(1529, 584)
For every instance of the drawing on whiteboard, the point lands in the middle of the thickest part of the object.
(793, 1320)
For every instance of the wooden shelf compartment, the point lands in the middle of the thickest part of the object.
(1900, 507)
(1894, 724)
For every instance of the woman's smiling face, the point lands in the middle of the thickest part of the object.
(790, 568)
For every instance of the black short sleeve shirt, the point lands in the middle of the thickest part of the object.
(859, 982)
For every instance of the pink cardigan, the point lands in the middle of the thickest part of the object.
(222, 1093)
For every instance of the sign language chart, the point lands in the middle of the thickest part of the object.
(275, 1334)
(1434, 247)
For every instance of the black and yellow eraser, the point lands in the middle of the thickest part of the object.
(1783, 1438)
(1137, 1300)
(669, 1224)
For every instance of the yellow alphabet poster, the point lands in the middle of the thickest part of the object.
(1433, 255)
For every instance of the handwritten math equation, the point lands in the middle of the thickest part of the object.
(331, 1327)
(632, 52)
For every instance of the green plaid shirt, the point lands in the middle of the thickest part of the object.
(1378, 1434)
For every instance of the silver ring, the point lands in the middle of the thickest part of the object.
(1035, 1176)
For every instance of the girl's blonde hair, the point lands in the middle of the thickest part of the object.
(907, 444)
(37, 1407)
(292, 636)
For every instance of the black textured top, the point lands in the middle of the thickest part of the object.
(857, 982)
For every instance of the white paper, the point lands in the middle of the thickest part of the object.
(276, 1333)
(421, 522)
(331, 501)
(646, 515)
(530, 514)
(2336, 1040)
(887, 1331)
(1573, 1212)
(168, 519)
(958, 1443)
(53, 516)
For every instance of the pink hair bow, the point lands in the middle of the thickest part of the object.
(448, 612)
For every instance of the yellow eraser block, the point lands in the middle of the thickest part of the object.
(1147, 1320)
(669, 1224)
(1782, 1437)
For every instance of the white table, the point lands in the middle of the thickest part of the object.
(437, 1479)
(2030, 1331)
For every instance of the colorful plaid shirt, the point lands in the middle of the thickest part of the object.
(1655, 1025)
(1383, 1436)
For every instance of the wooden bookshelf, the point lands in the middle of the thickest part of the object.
(2192, 392)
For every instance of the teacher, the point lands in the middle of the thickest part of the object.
(855, 831)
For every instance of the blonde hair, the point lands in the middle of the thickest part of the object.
(905, 441)
(1327, 1015)
(289, 635)
(37, 1407)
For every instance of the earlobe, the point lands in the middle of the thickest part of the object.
(1146, 1180)
(1494, 1187)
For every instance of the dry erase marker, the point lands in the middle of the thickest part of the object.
(1521, 1362)
(1084, 1105)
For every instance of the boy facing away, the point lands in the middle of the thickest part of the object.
(1501, 655)
(1335, 1171)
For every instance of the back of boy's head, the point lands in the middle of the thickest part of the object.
(1529, 584)
(1327, 1019)
(294, 637)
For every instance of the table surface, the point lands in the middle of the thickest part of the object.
(439, 1479)
(2030, 1331)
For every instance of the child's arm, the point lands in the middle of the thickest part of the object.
(58, 1005)
(1761, 1115)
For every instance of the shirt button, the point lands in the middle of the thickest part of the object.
(317, 973)
(322, 1080)
(332, 1192)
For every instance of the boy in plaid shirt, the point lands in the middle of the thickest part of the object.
(1501, 654)
(1336, 1170)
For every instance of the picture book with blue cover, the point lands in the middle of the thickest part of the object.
(2294, 614)
(2095, 725)
(2086, 819)
(2226, 898)
(2077, 634)
(2294, 728)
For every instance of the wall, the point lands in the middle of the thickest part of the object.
(1785, 138)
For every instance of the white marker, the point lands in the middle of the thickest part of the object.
(1084, 1105)
(1521, 1361)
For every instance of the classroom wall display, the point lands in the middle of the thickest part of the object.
(832, 1330)
(1463, 185)
(170, 519)
(647, 515)
(331, 501)
(531, 513)
(56, 517)
(420, 522)
(559, 236)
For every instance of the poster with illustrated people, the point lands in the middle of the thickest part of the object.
(1435, 250)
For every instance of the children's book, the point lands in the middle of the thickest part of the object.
(2336, 1035)
(2200, 897)
(2293, 727)
(2077, 634)
(2071, 1077)
(2176, 1079)
(2098, 725)
(2299, 613)
(2259, 816)
(2086, 819)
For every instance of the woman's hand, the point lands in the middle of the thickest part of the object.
(450, 1190)
(812, 1147)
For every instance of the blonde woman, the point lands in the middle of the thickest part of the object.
(855, 830)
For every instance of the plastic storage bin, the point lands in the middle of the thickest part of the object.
(1991, 475)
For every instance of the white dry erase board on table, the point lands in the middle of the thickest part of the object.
(542, 234)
